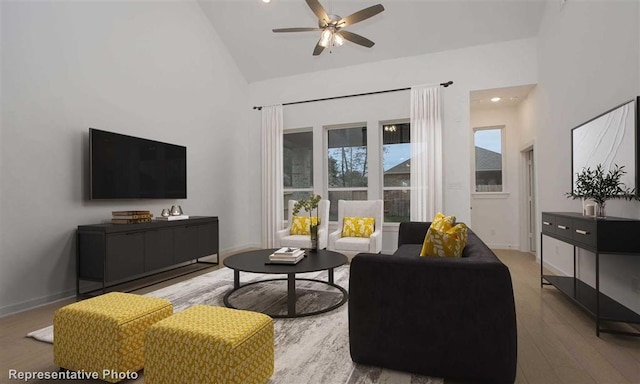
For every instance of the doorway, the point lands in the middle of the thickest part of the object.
(529, 201)
(497, 187)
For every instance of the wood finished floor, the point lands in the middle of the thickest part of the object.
(556, 339)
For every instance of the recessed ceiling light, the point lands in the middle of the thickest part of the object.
(495, 99)
(266, 1)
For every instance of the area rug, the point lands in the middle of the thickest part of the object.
(312, 349)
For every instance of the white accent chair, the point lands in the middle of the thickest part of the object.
(358, 208)
(284, 238)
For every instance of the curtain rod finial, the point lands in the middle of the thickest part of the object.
(258, 108)
(448, 83)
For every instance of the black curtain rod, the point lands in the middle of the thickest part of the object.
(448, 83)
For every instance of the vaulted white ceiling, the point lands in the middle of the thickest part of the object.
(405, 28)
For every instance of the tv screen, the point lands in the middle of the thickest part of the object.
(127, 167)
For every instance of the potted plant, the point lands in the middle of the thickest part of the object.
(309, 205)
(600, 186)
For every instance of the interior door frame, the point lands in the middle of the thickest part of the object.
(528, 205)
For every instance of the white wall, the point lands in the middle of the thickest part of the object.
(527, 119)
(150, 69)
(496, 216)
(527, 122)
(489, 66)
(588, 62)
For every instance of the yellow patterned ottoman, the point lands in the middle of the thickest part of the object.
(205, 344)
(105, 334)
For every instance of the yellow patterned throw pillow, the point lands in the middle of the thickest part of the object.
(442, 222)
(358, 226)
(443, 238)
(300, 225)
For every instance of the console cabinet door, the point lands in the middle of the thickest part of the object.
(125, 256)
(186, 243)
(91, 255)
(208, 239)
(158, 249)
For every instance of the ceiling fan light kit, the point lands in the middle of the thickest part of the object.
(331, 26)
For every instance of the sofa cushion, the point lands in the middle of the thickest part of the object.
(357, 226)
(408, 250)
(296, 241)
(353, 244)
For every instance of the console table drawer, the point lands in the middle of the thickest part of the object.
(548, 223)
(585, 232)
(563, 227)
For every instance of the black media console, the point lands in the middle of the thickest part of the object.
(112, 254)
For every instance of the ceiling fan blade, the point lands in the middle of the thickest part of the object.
(362, 14)
(302, 29)
(355, 38)
(318, 49)
(317, 8)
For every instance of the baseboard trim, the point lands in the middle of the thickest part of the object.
(35, 303)
(68, 294)
(555, 270)
(515, 247)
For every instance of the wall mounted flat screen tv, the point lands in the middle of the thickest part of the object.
(127, 167)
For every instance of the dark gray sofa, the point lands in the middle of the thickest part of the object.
(442, 317)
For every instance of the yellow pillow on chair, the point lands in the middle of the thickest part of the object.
(443, 238)
(301, 225)
(358, 226)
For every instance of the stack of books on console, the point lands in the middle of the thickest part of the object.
(286, 256)
(131, 217)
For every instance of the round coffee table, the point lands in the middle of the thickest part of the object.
(258, 262)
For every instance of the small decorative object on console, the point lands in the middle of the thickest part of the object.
(175, 213)
(176, 210)
(172, 218)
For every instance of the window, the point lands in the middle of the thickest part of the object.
(396, 168)
(297, 167)
(347, 172)
(488, 159)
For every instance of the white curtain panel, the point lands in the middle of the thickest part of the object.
(271, 140)
(426, 152)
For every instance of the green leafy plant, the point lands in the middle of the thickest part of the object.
(600, 186)
(309, 205)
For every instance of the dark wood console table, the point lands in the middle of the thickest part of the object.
(113, 254)
(602, 236)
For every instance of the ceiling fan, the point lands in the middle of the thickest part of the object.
(331, 26)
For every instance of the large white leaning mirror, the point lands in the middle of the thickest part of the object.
(609, 139)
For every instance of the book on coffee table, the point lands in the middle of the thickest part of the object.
(285, 260)
(286, 256)
(288, 251)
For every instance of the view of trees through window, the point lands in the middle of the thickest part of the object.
(297, 165)
(347, 157)
(346, 166)
(347, 169)
(396, 167)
